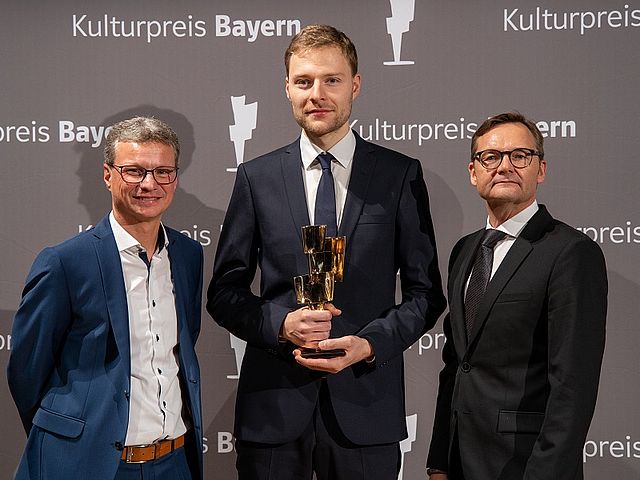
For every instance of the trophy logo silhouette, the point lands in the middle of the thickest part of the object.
(245, 116)
(402, 12)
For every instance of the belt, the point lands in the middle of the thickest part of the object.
(146, 453)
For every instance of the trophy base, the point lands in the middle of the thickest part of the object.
(313, 353)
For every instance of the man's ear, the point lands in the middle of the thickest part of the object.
(106, 175)
(472, 174)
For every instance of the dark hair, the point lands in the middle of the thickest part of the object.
(508, 117)
(317, 36)
(140, 130)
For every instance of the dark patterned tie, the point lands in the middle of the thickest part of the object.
(480, 275)
(325, 212)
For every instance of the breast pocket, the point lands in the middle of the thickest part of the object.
(366, 219)
(514, 297)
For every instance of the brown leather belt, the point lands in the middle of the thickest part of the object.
(146, 453)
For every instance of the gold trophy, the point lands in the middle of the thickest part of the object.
(326, 266)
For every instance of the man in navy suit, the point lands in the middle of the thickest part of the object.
(523, 352)
(103, 368)
(341, 417)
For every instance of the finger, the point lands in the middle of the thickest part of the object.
(318, 328)
(317, 315)
(331, 343)
(330, 307)
(315, 338)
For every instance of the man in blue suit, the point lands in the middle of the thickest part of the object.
(103, 368)
(342, 417)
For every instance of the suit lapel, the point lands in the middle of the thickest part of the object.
(364, 163)
(113, 286)
(291, 165)
(518, 252)
(363, 166)
(177, 262)
(460, 273)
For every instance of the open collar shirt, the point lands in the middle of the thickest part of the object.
(155, 402)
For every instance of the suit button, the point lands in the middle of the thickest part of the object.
(119, 446)
(465, 367)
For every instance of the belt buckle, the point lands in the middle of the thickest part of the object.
(130, 453)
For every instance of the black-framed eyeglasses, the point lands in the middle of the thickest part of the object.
(519, 157)
(137, 174)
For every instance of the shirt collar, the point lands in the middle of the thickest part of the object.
(126, 241)
(515, 224)
(342, 151)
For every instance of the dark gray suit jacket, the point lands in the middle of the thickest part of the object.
(388, 227)
(521, 392)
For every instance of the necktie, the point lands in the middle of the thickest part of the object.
(480, 275)
(325, 212)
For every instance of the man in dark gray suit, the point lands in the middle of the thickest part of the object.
(341, 417)
(523, 352)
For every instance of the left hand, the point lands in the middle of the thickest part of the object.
(356, 348)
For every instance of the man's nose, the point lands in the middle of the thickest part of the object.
(317, 91)
(505, 164)
(148, 181)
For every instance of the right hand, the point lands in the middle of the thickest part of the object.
(305, 327)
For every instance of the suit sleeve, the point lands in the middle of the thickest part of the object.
(416, 258)
(39, 328)
(230, 300)
(438, 456)
(577, 306)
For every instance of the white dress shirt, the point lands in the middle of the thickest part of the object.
(512, 228)
(340, 169)
(155, 404)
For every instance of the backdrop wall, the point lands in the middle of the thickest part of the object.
(214, 71)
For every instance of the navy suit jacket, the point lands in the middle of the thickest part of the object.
(388, 227)
(69, 370)
(520, 393)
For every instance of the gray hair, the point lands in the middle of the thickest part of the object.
(140, 130)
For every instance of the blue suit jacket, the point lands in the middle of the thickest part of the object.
(388, 227)
(69, 370)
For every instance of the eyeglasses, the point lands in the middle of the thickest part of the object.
(136, 174)
(519, 158)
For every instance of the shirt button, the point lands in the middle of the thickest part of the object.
(153, 302)
(465, 367)
(160, 371)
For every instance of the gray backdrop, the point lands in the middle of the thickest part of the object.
(214, 71)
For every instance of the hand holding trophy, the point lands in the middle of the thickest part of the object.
(326, 266)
